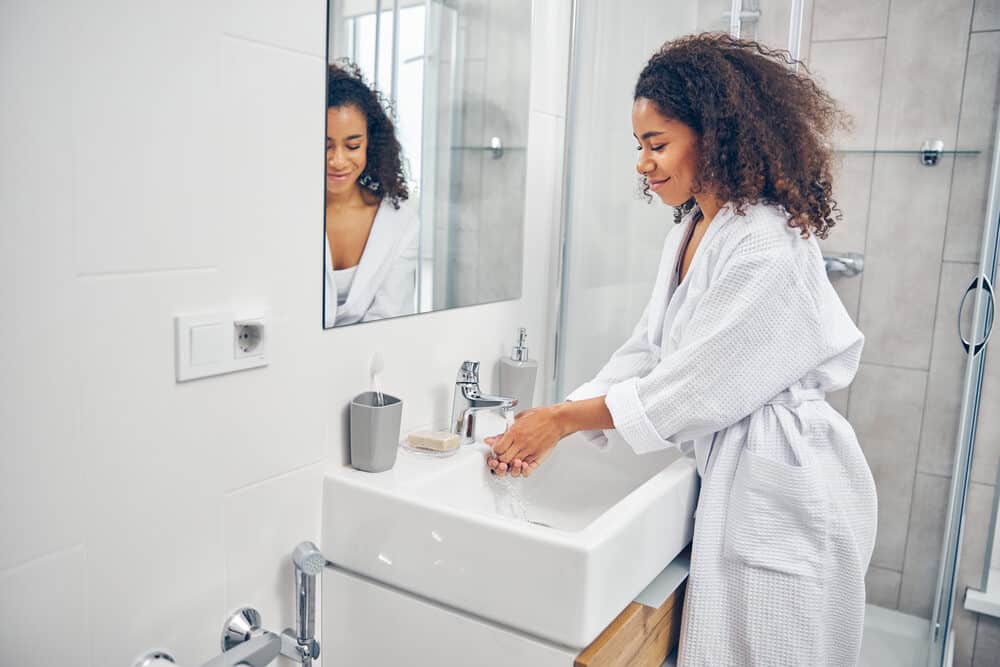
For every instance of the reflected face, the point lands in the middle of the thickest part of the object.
(346, 148)
(668, 152)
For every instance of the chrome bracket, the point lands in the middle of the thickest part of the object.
(930, 152)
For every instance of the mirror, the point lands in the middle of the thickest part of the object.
(427, 123)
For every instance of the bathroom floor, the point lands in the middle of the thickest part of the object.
(893, 639)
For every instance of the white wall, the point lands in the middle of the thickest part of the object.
(167, 159)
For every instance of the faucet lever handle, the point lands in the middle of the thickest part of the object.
(468, 373)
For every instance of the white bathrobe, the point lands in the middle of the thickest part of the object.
(734, 363)
(384, 285)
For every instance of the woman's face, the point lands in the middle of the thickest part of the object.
(668, 152)
(346, 148)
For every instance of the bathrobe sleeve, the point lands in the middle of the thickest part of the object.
(754, 332)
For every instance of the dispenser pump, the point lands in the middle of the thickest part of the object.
(517, 374)
(520, 351)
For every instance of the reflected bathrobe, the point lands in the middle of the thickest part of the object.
(733, 363)
(385, 282)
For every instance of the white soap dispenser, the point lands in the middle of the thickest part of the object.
(517, 374)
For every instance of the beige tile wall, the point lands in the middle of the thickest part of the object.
(909, 71)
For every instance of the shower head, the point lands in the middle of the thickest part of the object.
(308, 559)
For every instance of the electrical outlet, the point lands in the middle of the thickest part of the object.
(215, 343)
(248, 338)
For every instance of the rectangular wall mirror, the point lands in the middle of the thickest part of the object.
(427, 123)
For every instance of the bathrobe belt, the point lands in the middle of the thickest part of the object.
(794, 396)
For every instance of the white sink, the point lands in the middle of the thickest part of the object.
(598, 526)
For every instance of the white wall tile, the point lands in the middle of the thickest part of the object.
(274, 225)
(39, 413)
(262, 523)
(155, 458)
(43, 621)
(145, 165)
(299, 25)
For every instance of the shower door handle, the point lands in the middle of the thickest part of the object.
(977, 282)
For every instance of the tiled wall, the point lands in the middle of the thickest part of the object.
(161, 159)
(909, 71)
(614, 235)
(486, 230)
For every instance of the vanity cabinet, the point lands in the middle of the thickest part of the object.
(368, 624)
(639, 637)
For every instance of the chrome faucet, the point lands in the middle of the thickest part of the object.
(468, 400)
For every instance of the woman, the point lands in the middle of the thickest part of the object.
(371, 240)
(742, 338)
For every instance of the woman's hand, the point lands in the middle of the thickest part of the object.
(528, 441)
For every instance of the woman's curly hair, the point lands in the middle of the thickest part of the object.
(383, 176)
(762, 126)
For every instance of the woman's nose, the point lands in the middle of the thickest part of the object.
(643, 165)
(334, 157)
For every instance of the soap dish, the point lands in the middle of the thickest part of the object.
(404, 443)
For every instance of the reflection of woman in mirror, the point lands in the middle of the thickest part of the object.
(371, 240)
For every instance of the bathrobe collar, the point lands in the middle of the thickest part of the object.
(388, 237)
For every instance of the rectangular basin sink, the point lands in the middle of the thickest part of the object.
(557, 555)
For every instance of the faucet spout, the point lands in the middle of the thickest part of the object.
(468, 400)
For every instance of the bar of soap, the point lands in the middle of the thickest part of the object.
(440, 441)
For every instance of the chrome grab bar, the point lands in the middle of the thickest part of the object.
(848, 265)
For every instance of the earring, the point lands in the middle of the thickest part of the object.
(367, 181)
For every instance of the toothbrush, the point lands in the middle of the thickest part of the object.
(375, 367)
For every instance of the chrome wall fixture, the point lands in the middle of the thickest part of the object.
(848, 265)
(245, 643)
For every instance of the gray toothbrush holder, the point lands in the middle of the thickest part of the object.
(375, 431)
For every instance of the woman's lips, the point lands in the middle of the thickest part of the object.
(656, 183)
(337, 177)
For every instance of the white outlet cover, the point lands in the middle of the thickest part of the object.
(204, 344)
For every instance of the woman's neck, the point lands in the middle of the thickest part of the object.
(350, 199)
(709, 205)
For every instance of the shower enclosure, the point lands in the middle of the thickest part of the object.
(914, 262)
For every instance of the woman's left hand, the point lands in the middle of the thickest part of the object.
(528, 441)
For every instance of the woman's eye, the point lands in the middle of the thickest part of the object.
(354, 148)
(659, 148)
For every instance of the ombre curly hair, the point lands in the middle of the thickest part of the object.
(763, 127)
(383, 176)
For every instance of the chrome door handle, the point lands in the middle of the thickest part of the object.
(990, 308)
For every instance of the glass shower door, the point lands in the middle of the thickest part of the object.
(908, 247)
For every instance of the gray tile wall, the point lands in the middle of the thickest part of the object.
(909, 71)
(486, 229)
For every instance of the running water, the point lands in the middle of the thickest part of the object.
(507, 489)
